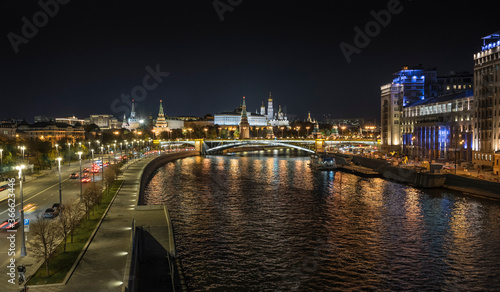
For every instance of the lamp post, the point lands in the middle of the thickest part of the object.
(102, 163)
(307, 128)
(206, 132)
(57, 149)
(23, 243)
(69, 154)
(59, 168)
(81, 187)
(22, 149)
(298, 129)
(92, 165)
(1, 162)
(282, 128)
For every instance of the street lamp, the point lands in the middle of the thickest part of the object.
(23, 244)
(81, 187)
(57, 149)
(1, 161)
(92, 165)
(60, 191)
(307, 128)
(298, 129)
(69, 154)
(206, 130)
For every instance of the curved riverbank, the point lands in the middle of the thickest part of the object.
(152, 166)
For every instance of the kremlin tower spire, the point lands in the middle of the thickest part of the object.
(244, 125)
(270, 114)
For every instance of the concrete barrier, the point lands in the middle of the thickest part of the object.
(472, 185)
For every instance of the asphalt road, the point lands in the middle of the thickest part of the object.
(40, 194)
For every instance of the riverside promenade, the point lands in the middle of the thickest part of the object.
(105, 265)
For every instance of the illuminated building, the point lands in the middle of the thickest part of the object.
(51, 131)
(487, 101)
(270, 107)
(131, 123)
(410, 84)
(70, 120)
(440, 127)
(104, 122)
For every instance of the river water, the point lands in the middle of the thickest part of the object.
(267, 222)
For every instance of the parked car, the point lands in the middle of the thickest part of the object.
(74, 175)
(85, 179)
(86, 169)
(6, 225)
(50, 213)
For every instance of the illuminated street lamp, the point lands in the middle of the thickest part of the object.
(23, 243)
(81, 187)
(307, 128)
(59, 168)
(298, 129)
(57, 149)
(69, 154)
(206, 130)
(1, 161)
(92, 165)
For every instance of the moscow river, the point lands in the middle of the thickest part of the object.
(267, 222)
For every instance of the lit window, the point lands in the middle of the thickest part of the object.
(448, 87)
(460, 87)
(454, 87)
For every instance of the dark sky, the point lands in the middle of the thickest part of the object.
(91, 52)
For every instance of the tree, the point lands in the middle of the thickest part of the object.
(110, 175)
(68, 220)
(45, 237)
(93, 191)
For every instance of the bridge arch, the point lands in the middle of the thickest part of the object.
(246, 143)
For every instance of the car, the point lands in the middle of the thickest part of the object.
(74, 175)
(86, 169)
(6, 225)
(85, 175)
(85, 179)
(50, 213)
(56, 206)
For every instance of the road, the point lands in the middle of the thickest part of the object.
(41, 193)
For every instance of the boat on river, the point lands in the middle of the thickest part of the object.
(323, 162)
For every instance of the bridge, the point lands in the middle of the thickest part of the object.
(212, 146)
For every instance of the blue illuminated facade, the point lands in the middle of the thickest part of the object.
(491, 41)
(417, 83)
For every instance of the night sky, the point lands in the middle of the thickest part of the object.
(88, 54)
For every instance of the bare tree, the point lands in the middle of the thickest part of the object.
(110, 175)
(45, 235)
(93, 191)
(68, 220)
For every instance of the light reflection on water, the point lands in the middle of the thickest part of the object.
(268, 223)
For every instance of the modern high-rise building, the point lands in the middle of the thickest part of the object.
(410, 85)
(487, 101)
(391, 106)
